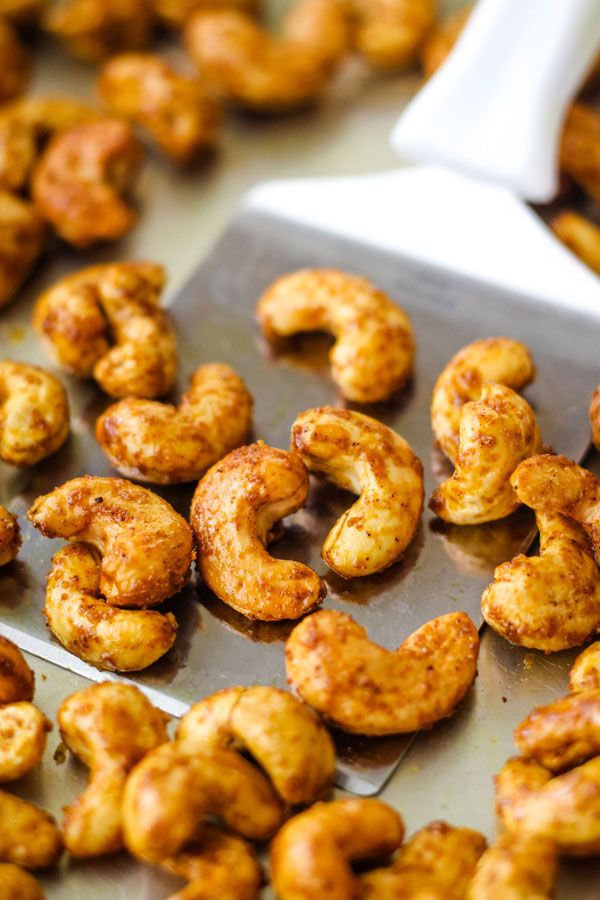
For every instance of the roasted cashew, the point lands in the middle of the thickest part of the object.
(110, 727)
(34, 413)
(17, 681)
(585, 671)
(497, 432)
(518, 866)
(175, 110)
(497, 360)
(80, 182)
(366, 689)
(373, 354)
(95, 29)
(389, 33)
(283, 735)
(441, 40)
(363, 456)
(175, 13)
(311, 855)
(563, 733)
(437, 862)
(580, 235)
(594, 415)
(10, 536)
(29, 836)
(548, 602)
(22, 234)
(564, 808)
(233, 512)
(252, 69)
(167, 444)
(15, 884)
(106, 322)
(14, 63)
(120, 640)
(580, 148)
(146, 547)
(23, 727)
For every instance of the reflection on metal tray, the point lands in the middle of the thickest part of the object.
(444, 569)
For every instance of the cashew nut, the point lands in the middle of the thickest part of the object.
(580, 235)
(34, 413)
(80, 182)
(585, 671)
(389, 33)
(233, 511)
(283, 735)
(363, 456)
(497, 432)
(23, 727)
(437, 862)
(594, 414)
(497, 360)
(548, 602)
(110, 727)
(10, 536)
(118, 304)
(17, 681)
(121, 640)
(563, 733)
(311, 855)
(146, 547)
(14, 63)
(29, 836)
(250, 68)
(95, 29)
(441, 40)
(365, 689)
(373, 354)
(580, 148)
(175, 110)
(564, 808)
(167, 444)
(518, 866)
(175, 13)
(22, 234)
(15, 884)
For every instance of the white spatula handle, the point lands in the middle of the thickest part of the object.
(495, 108)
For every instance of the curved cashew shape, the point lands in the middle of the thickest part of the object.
(233, 511)
(363, 456)
(177, 112)
(81, 179)
(17, 681)
(585, 671)
(14, 68)
(497, 432)
(594, 414)
(581, 236)
(28, 836)
(373, 354)
(497, 360)
(110, 727)
(82, 315)
(15, 884)
(548, 602)
(121, 640)
(95, 29)
(284, 736)
(10, 536)
(167, 444)
(22, 234)
(389, 33)
(34, 413)
(311, 855)
(23, 727)
(438, 861)
(366, 689)
(580, 148)
(146, 546)
(441, 40)
(252, 69)
(518, 866)
(563, 733)
(175, 13)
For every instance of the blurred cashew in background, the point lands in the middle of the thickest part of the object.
(93, 30)
(22, 237)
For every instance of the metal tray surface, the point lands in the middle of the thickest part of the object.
(444, 569)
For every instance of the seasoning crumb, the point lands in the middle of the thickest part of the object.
(60, 754)
(503, 699)
(44, 676)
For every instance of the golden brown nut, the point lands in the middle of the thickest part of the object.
(594, 414)
(497, 432)
(28, 835)
(10, 537)
(497, 360)
(80, 182)
(14, 63)
(146, 547)
(23, 730)
(373, 354)
(437, 862)
(564, 733)
(518, 866)
(175, 110)
(564, 808)
(22, 233)
(95, 29)
(34, 413)
(110, 727)
(175, 13)
(365, 689)
(167, 444)
(15, 884)
(120, 640)
(580, 148)
(311, 855)
(233, 512)
(363, 456)
(250, 68)
(106, 322)
(17, 681)
(441, 40)
(580, 235)
(548, 602)
(585, 671)
(281, 734)
(389, 33)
